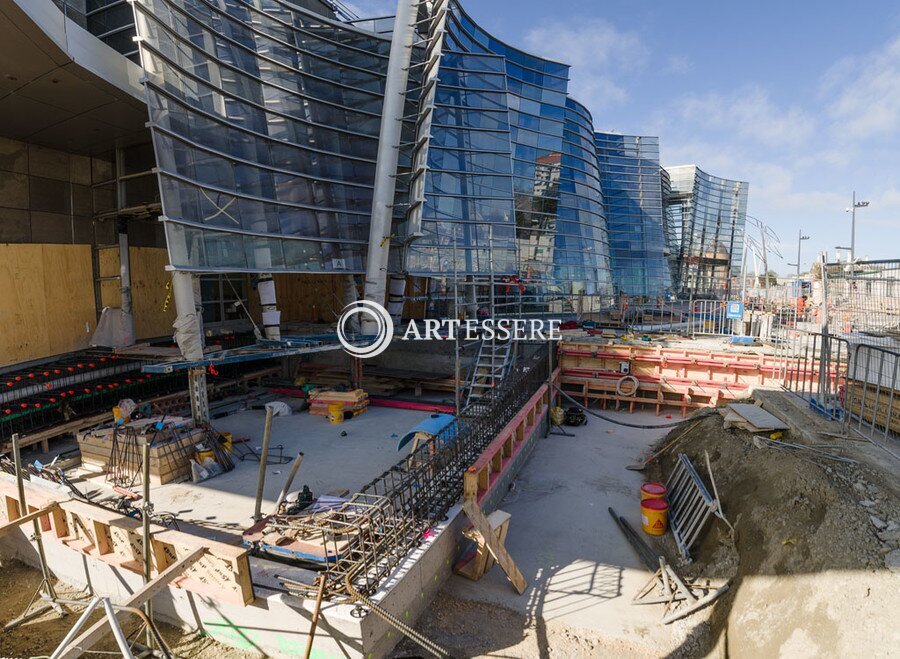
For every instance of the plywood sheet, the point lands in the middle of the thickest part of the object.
(47, 300)
(152, 317)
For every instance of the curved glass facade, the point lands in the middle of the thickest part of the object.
(708, 214)
(265, 117)
(633, 193)
(265, 120)
(561, 241)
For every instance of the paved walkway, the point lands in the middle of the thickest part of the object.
(581, 571)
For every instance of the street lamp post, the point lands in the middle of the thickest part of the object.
(852, 211)
(800, 239)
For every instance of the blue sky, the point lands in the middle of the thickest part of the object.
(801, 99)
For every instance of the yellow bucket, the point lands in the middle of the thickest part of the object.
(654, 513)
(336, 412)
(652, 490)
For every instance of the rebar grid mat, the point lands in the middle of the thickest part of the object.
(369, 535)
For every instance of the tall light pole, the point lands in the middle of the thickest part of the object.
(800, 239)
(852, 211)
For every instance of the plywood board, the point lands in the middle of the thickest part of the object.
(152, 317)
(758, 417)
(47, 303)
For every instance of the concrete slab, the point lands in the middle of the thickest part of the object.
(581, 571)
(223, 506)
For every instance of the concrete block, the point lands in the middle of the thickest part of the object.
(80, 169)
(13, 190)
(13, 156)
(15, 226)
(51, 228)
(48, 163)
(83, 230)
(49, 195)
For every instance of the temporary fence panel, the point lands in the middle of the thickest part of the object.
(872, 399)
(864, 299)
(814, 366)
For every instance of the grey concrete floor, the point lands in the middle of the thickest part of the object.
(581, 571)
(222, 507)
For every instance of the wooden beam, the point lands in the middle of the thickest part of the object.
(498, 551)
(99, 629)
(27, 518)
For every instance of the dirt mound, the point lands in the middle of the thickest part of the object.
(807, 558)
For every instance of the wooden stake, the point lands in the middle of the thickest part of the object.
(315, 618)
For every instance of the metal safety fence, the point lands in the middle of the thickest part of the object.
(814, 366)
(864, 299)
(872, 399)
(847, 381)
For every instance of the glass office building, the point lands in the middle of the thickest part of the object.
(707, 214)
(633, 192)
(560, 228)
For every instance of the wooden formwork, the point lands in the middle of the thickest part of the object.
(222, 574)
(481, 476)
(873, 405)
(666, 377)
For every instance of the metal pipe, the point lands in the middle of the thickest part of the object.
(119, 635)
(290, 479)
(145, 522)
(23, 510)
(73, 632)
(389, 138)
(263, 459)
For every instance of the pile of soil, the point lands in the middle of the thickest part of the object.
(39, 637)
(810, 560)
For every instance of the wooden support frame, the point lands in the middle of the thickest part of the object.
(494, 546)
(36, 514)
(99, 629)
(222, 573)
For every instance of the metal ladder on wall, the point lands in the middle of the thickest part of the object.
(489, 370)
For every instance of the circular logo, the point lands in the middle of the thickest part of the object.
(383, 323)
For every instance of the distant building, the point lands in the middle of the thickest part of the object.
(633, 195)
(707, 216)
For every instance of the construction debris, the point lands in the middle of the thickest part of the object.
(681, 600)
(690, 504)
(751, 418)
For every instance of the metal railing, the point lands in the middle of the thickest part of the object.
(814, 366)
(872, 399)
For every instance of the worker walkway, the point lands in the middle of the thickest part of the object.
(581, 571)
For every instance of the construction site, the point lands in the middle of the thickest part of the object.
(284, 395)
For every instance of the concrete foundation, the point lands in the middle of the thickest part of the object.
(276, 623)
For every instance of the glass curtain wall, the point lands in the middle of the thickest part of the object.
(633, 192)
(711, 213)
(563, 258)
(265, 120)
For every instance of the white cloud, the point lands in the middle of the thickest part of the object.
(601, 57)
(679, 64)
(863, 94)
(748, 113)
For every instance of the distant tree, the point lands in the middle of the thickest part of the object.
(773, 279)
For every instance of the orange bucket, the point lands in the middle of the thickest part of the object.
(653, 490)
(654, 514)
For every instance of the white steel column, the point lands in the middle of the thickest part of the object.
(388, 155)
(125, 281)
(271, 316)
(189, 336)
